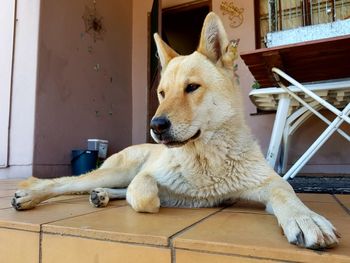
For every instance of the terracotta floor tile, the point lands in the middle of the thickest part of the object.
(9, 184)
(9, 192)
(124, 224)
(45, 213)
(328, 210)
(58, 249)
(5, 202)
(243, 232)
(343, 227)
(345, 200)
(243, 206)
(187, 256)
(255, 235)
(19, 246)
(308, 197)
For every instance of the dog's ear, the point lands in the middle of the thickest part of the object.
(213, 42)
(165, 52)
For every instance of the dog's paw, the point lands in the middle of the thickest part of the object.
(310, 230)
(23, 200)
(99, 197)
(145, 204)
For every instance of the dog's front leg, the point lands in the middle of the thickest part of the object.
(142, 193)
(301, 226)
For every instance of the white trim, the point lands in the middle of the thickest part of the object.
(14, 171)
(7, 29)
(20, 131)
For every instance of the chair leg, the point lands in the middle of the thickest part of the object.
(277, 131)
(294, 121)
(284, 152)
(316, 145)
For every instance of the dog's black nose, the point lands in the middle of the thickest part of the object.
(160, 125)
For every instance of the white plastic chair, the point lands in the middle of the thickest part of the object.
(295, 104)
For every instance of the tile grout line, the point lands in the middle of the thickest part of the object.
(41, 232)
(88, 213)
(49, 222)
(19, 229)
(170, 242)
(341, 204)
(40, 244)
(108, 240)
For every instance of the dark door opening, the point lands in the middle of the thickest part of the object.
(182, 25)
(180, 28)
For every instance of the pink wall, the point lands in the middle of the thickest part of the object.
(139, 69)
(84, 87)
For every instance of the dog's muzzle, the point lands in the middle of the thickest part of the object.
(161, 132)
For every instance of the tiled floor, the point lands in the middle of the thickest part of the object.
(68, 229)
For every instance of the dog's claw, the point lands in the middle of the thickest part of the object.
(93, 196)
(311, 231)
(300, 239)
(336, 233)
(15, 205)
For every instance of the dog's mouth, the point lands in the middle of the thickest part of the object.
(170, 143)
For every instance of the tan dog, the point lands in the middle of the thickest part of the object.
(206, 153)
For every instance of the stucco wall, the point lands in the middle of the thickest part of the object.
(139, 69)
(84, 86)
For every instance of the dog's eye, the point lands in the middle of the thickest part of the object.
(162, 93)
(191, 87)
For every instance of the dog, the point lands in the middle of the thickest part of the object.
(205, 154)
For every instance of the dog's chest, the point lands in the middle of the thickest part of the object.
(202, 179)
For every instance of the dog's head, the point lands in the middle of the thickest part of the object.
(196, 92)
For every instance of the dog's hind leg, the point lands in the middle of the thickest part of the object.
(100, 197)
(117, 171)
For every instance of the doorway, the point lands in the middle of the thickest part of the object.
(182, 25)
(180, 28)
